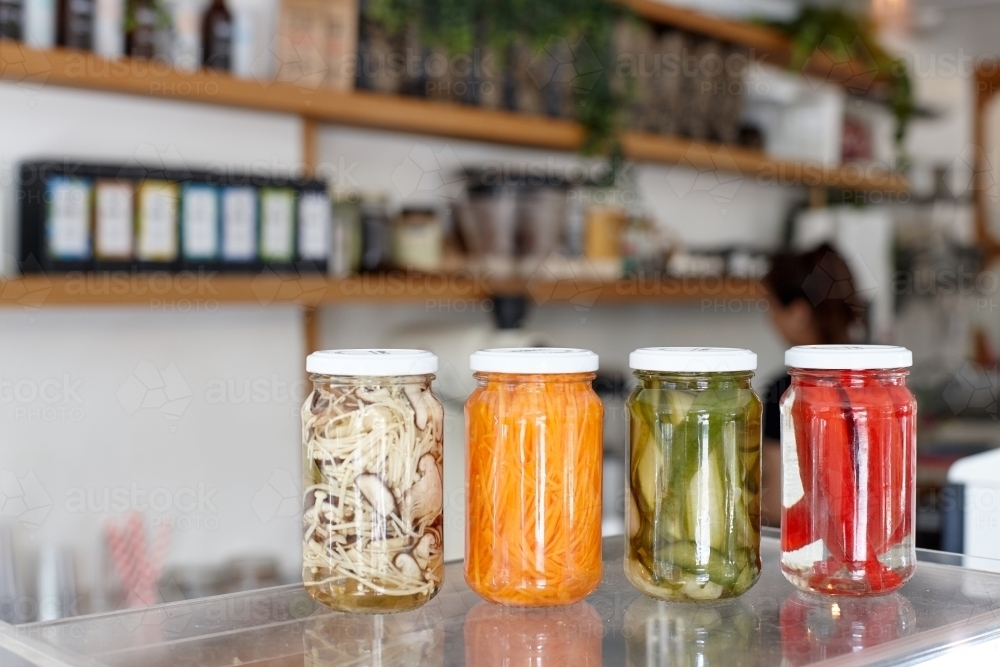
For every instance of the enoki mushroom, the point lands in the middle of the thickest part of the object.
(374, 492)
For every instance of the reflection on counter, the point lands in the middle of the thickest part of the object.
(659, 633)
(814, 628)
(518, 637)
(943, 606)
(392, 640)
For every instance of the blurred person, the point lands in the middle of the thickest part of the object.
(812, 301)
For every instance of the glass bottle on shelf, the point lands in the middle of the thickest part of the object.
(217, 37)
(345, 241)
(141, 18)
(376, 232)
(75, 24)
(12, 19)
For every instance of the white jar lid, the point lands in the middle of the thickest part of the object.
(531, 360)
(372, 363)
(848, 357)
(693, 359)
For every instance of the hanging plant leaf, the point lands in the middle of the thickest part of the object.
(844, 36)
(585, 25)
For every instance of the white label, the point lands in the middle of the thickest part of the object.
(69, 218)
(113, 220)
(239, 224)
(314, 226)
(200, 222)
(277, 219)
(157, 240)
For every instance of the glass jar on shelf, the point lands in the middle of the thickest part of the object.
(692, 519)
(848, 456)
(418, 239)
(372, 438)
(533, 517)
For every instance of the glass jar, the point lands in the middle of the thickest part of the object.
(533, 476)
(418, 239)
(693, 513)
(848, 456)
(372, 437)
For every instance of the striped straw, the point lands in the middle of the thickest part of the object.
(138, 569)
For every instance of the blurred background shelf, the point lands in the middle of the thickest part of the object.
(182, 291)
(767, 43)
(77, 69)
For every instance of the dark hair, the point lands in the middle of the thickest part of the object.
(822, 278)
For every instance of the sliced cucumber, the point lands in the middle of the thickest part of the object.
(679, 404)
(647, 471)
(706, 505)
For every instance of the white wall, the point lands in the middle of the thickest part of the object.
(245, 456)
(86, 438)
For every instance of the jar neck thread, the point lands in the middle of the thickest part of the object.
(849, 378)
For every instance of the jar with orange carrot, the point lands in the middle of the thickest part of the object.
(533, 476)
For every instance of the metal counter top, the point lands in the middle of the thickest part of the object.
(943, 609)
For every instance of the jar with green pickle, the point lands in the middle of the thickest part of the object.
(693, 493)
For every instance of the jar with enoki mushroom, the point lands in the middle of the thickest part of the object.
(534, 465)
(372, 513)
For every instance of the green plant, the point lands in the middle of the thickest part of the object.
(130, 22)
(456, 25)
(844, 36)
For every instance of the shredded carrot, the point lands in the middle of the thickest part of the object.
(533, 519)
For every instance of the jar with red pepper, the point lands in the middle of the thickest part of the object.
(848, 449)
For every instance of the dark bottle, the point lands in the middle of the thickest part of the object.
(140, 28)
(217, 37)
(75, 24)
(11, 19)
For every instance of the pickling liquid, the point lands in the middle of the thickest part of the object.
(346, 594)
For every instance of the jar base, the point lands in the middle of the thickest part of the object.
(535, 599)
(846, 582)
(356, 603)
(637, 576)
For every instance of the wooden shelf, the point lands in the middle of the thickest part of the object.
(186, 291)
(83, 70)
(775, 47)
(761, 38)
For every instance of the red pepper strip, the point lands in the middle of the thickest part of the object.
(877, 439)
(824, 571)
(833, 440)
(796, 531)
(880, 578)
